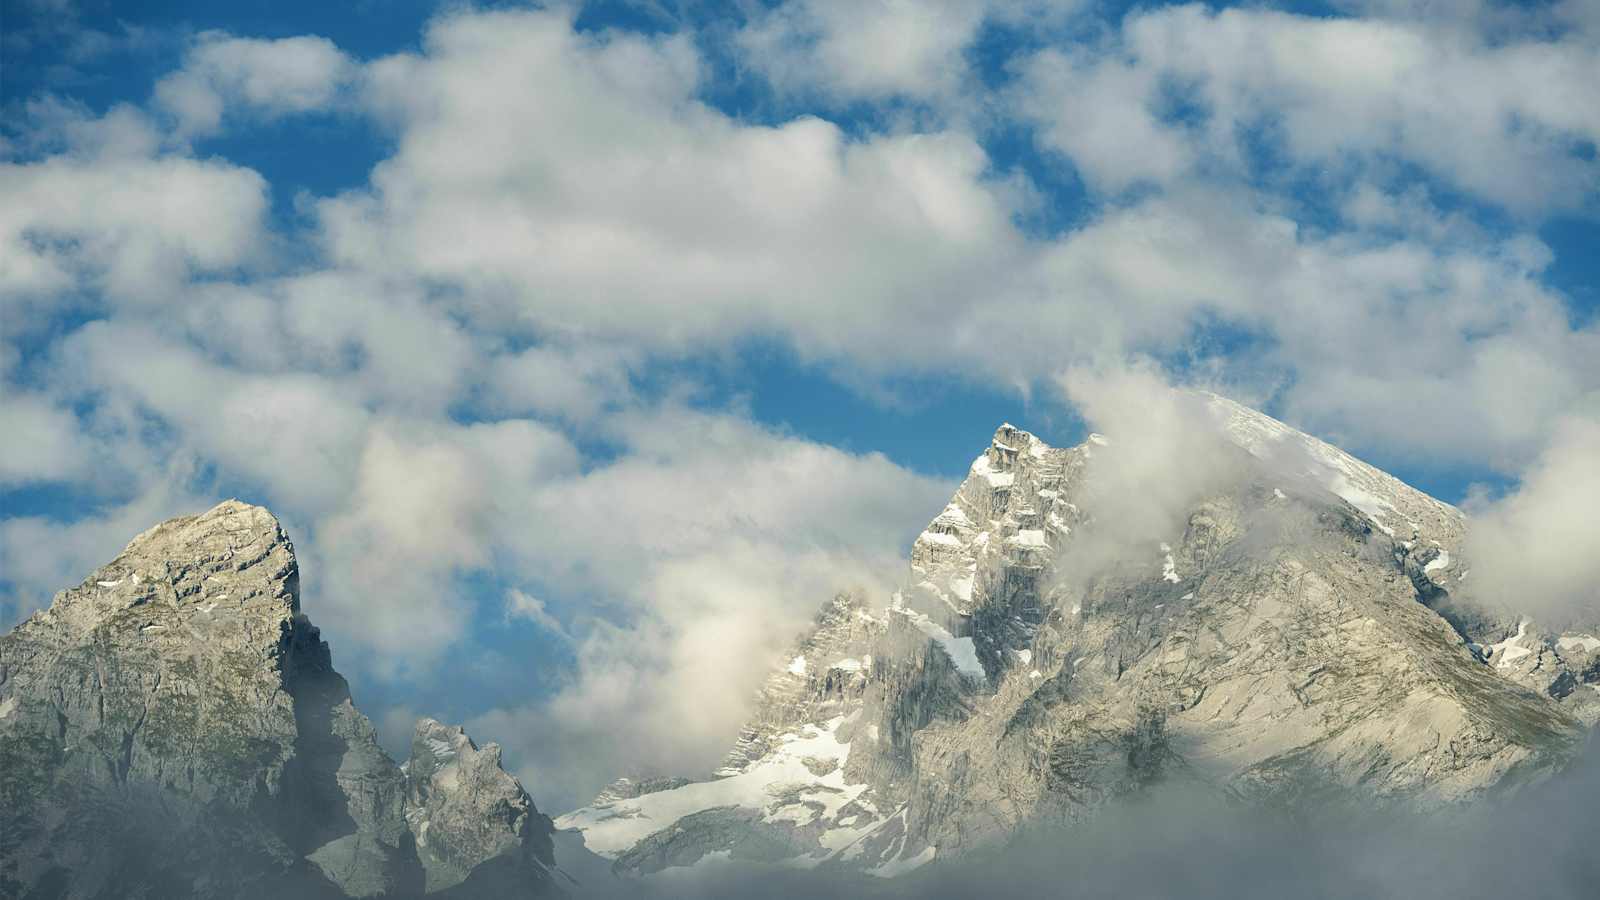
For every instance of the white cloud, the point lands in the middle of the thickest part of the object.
(610, 206)
(1537, 550)
(1457, 351)
(871, 50)
(522, 605)
(701, 552)
(599, 197)
(109, 217)
(38, 440)
(226, 75)
(575, 382)
(529, 250)
(1163, 456)
(842, 52)
(429, 502)
(1501, 120)
(1102, 114)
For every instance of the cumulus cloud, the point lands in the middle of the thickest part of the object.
(38, 440)
(113, 217)
(430, 501)
(853, 51)
(446, 380)
(223, 75)
(600, 197)
(622, 210)
(1537, 550)
(701, 553)
(1504, 120)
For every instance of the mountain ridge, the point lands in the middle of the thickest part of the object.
(179, 706)
(1000, 688)
(1269, 622)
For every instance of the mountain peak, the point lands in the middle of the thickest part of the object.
(178, 702)
(1010, 437)
(1277, 644)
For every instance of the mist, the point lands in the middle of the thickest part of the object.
(1163, 454)
(1537, 549)
(1536, 842)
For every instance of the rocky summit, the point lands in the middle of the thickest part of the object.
(1260, 618)
(173, 727)
(1288, 628)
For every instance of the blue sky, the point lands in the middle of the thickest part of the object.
(670, 318)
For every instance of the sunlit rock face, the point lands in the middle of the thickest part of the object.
(1291, 634)
(174, 727)
(464, 810)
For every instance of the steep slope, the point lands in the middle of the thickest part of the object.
(174, 727)
(1279, 642)
(1429, 535)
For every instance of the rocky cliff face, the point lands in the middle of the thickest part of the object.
(1293, 637)
(174, 727)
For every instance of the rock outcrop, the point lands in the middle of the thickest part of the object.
(465, 811)
(174, 727)
(1292, 636)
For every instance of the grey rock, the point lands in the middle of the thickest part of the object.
(464, 809)
(628, 787)
(1299, 639)
(174, 727)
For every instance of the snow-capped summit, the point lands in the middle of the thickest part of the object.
(1295, 635)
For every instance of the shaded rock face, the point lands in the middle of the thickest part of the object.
(174, 727)
(1297, 639)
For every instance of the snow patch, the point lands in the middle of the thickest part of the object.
(1584, 642)
(1438, 562)
(953, 516)
(1169, 568)
(960, 650)
(901, 865)
(938, 537)
(982, 467)
(1029, 539)
(797, 666)
(1505, 653)
(769, 785)
(962, 588)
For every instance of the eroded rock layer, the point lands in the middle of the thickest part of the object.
(1290, 634)
(174, 727)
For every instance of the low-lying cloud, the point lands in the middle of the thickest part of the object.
(1538, 842)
